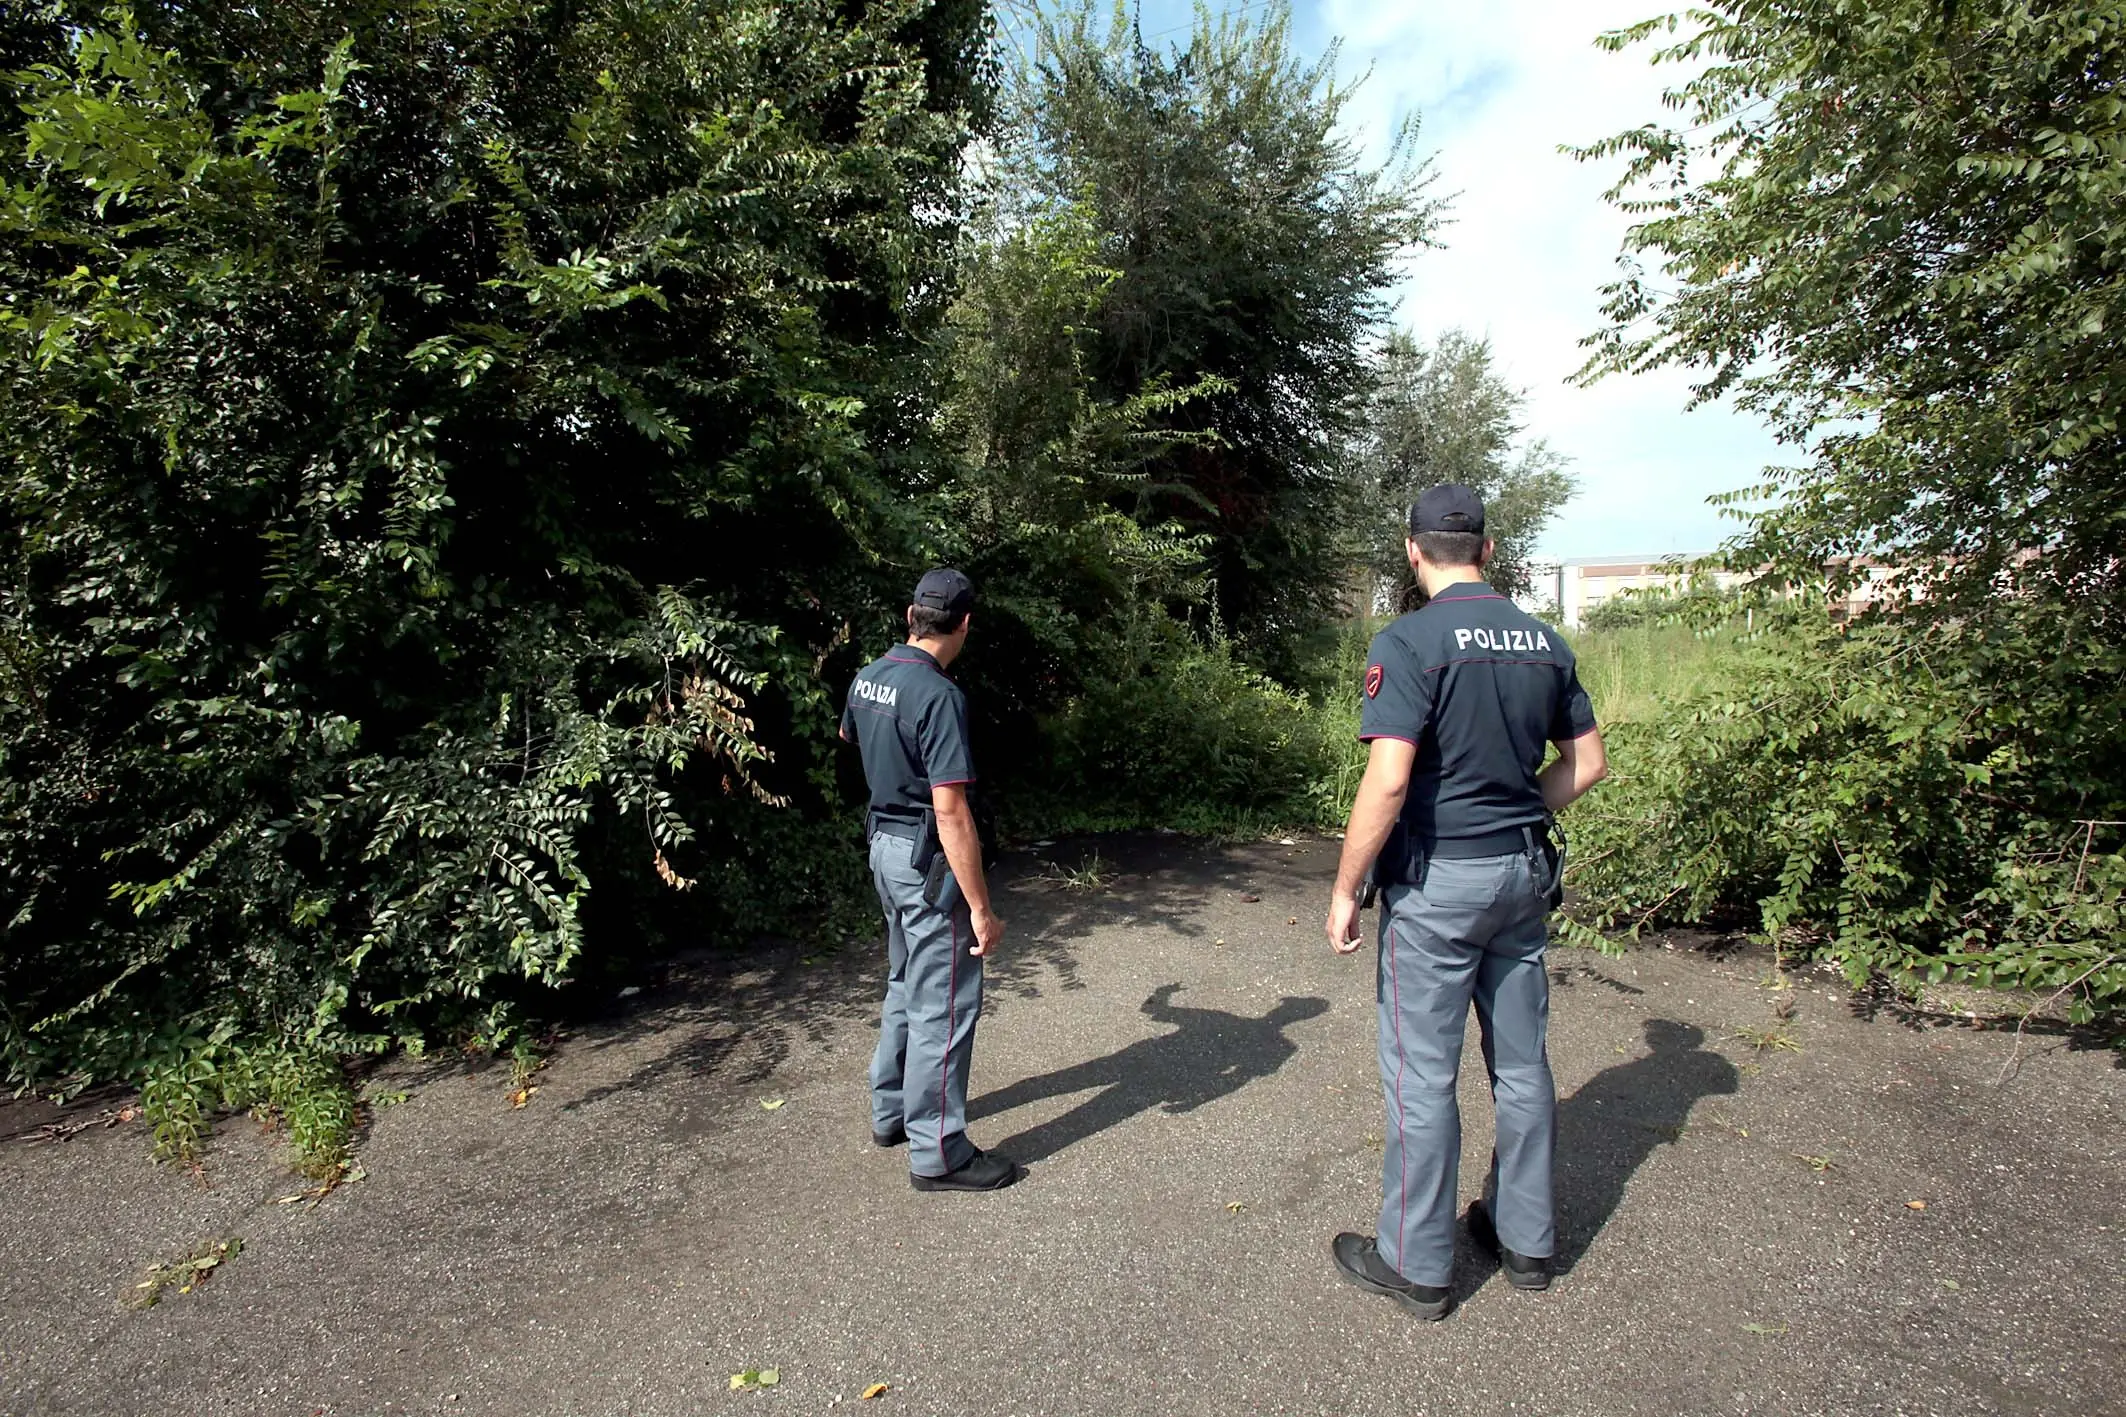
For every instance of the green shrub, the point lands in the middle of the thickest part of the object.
(306, 1090)
(1915, 801)
(1700, 603)
(438, 449)
(1182, 734)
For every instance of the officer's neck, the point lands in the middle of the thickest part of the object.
(943, 650)
(1437, 578)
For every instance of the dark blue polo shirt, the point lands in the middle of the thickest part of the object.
(910, 722)
(1480, 688)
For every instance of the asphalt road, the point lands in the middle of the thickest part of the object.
(1190, 1078)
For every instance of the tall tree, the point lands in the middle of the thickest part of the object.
(1893, 230)
(1049, 463)
(423, 426)
(1252, 244)
(1444, 415)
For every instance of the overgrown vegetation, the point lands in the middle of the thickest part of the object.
(1636, 672)
(1910, 800)
(1251, 250)
(454, 455)
(373, 378)
(1892, 230)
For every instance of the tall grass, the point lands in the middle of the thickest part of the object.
(1632, 672)
(1336, 701)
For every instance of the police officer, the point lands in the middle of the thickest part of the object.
(910, 722)
(1452, 816)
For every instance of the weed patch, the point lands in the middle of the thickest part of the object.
(1918, 802)
(185, 1274)
(1094, 873)
(303, 1093)
(1769, 1039)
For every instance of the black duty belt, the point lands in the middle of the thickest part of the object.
(1509, 842)
(894, 826)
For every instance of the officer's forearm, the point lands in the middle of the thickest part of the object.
(963, 851)
(1380, 802)
(1580, 764)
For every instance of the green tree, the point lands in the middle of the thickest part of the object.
(1252, 246)
(1893, 230)
(1444, 415)
(423, 429)
(1040, 507)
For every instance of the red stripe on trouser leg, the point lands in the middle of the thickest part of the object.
(1402, 1149)
(952, 992)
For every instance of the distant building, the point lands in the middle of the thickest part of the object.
(1571, 588)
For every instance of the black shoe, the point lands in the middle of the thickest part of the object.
(897, 1135)
(1358, 1261)
(982, 1172)
(1522, 1271)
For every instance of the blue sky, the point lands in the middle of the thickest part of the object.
(1499, 85)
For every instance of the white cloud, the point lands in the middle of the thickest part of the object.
(1500, 86)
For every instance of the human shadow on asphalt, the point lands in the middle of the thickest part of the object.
(1211, 1054)
(1608, 1128)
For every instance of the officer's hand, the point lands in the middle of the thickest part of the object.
(1342, 927)
(988, 933)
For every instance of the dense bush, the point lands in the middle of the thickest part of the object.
(1182, 734)
(423, 429)
(1916, 800)
(454, 454)
(1892, 229)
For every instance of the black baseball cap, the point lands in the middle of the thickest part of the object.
(1448, 507)
(944, 589)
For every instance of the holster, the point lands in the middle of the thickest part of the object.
(927, 854)
(930, 860)
(1547, 847)
(1400, 863)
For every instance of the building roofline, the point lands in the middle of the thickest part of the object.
(1682, 558)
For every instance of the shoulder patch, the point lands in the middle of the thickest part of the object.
(1373, 678)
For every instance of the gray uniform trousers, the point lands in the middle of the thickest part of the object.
(933, 1000)
(1469, 930)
